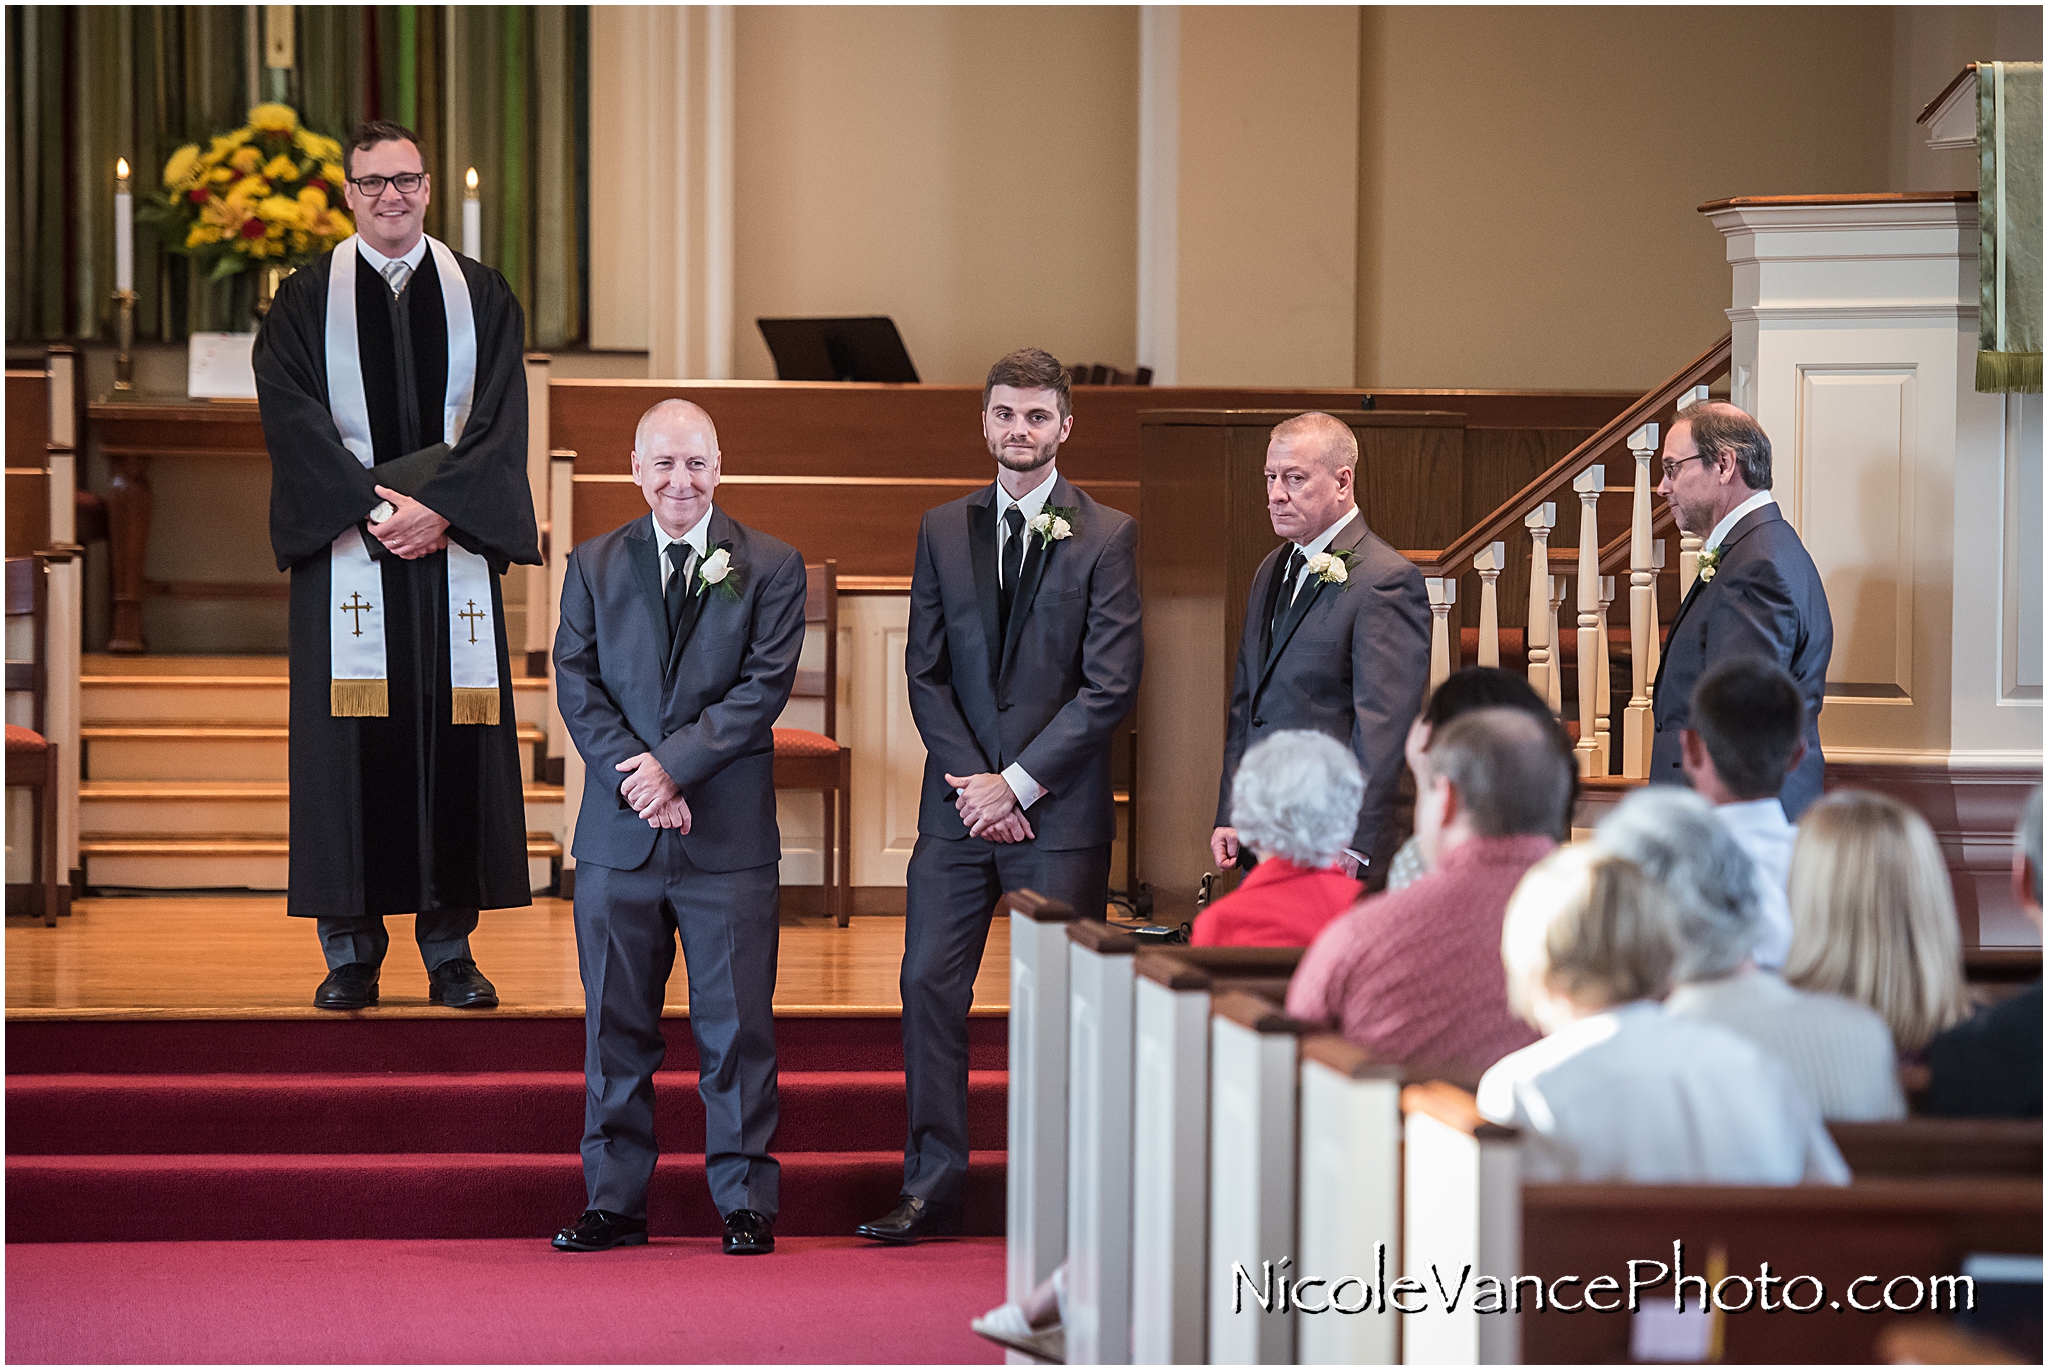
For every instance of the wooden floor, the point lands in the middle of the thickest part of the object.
(242, 957)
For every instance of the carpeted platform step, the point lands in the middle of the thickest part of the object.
(431, 1196)
(496, 1111)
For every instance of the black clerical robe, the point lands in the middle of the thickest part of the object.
(409, 811)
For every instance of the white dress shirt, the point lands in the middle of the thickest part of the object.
(378, 261)
(1032, 504)
(1840, 1052)
(1318, 545)
(1636, 1095)
(1760, 828)
(1735, 516)
(695, 538)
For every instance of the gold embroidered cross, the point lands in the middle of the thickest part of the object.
(356, 605)
(472, 613)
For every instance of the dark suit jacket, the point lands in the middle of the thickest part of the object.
(1048, 697)
(1765, 600)
(705, 706)
(1350, 660)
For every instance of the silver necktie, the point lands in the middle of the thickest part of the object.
(397, 273)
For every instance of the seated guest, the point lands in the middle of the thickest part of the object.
(1618, 1089)
(1475, 687)
(1415, 974)
(1744, 735)
(1839, 1052)
(1873, 916)
(1990, 1066)
(1295, 804)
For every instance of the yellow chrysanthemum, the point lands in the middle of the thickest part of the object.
(318, 146)
(246, 159)
(336, 225)
(273, 118)
(281, 168)
(333, 172)
(247, 191)
(220, 175)
(313, 198)
(184, 162)
(201, 235)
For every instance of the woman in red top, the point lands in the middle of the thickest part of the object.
(1294, 804)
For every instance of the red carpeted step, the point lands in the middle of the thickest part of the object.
(443, 1195)
(497, 1111)
(474, 1041)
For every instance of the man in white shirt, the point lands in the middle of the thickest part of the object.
(1757, 593)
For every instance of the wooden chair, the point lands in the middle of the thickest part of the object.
(31, 756)
(805, 760)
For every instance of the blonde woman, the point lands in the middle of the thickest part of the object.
(1873, 916)
(1618, 1089)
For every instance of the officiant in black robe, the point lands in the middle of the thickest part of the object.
(406, 787)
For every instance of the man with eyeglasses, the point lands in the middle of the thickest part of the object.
(1757, 592)
(393, 393)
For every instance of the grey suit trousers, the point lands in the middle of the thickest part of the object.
(627, 925)
(952, 894)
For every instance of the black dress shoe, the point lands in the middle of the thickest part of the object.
(351, 986)
(459, 984)
(747, 1233)
(598, 1230)
(913, 1220)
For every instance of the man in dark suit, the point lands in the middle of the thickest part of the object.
(1336, 635)
(1757, 593)
(1023, 658)
(678, 646)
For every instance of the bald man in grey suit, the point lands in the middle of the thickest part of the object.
(1023, 658)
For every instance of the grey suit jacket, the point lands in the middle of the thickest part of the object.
(1349, 660)
(1051, 693)
(705, 706)
(1766, 600)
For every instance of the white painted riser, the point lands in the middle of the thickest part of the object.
(219, 872)
(162, 700)
(172, 758)
(265, 817)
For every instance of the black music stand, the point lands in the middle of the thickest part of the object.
(867, 349)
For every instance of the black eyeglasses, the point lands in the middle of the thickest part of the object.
(1671, 468)
(408, 182)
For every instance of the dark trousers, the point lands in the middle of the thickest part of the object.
(443, 935)
(627, 926)
(953, 889)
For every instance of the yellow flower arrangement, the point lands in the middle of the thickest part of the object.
(267, 192)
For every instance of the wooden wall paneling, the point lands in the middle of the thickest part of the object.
(28, 511)
(28, 418)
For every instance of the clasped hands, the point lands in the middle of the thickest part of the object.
(413, 530)
(652, 793)
(988, 806)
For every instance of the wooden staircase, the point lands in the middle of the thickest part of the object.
(185, 781)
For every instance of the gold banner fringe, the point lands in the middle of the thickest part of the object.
(2008, 373)
(359, 698)
(476, 706)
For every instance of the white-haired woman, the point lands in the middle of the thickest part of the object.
(1295, 804)
(1618, 1089)
(1839, 1051)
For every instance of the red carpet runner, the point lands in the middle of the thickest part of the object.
(427, 1128)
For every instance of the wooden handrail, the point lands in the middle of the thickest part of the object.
(1456, 559)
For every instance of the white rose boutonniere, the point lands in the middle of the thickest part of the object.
(1331, 568)
(1055, 523)
(1709, 563)
(716, 572)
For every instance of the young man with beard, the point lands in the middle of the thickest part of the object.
(1023, 658)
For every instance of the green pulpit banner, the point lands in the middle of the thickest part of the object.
(2009, 226)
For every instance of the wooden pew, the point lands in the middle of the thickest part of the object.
(1170, 1134)
(1825, 1245)
(1100, 984)
(1940, 1146)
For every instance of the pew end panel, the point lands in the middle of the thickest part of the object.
(1349, 1213)
(1170, 1182)
(1461, 1211)
(1101, 984)
(1036, 1183)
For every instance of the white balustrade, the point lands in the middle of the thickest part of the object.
(1100, 983)
(1697, 395)
(1491, 560)
(1638, 724)
(1252, 1090)
(1443, 593)
(1348, 1219)
(1037, 1179)
(1587, 485)
(1554, 682)
(1689, 545)
(1538, 636)
(1603, 740)
(1462, 1211)
(538, 617)
(561, 525)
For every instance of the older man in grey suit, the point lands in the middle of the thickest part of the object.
(1023, 658)
(678, 646)
(1336, 635)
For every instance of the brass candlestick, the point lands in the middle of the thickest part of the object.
(124, 340)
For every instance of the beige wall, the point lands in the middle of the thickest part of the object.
(970, 171)
(1930, 44)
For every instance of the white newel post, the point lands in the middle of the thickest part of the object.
(539, 617)
(1540, 641)
(1101, 982)
(1036, 1184)
(1170, 1190)
(64, 706)
(1490, 561)
(1638, 728)
(1443, 593)
(561, 525)
(1587, 485)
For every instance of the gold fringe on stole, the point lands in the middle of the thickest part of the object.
(359, 698)
(2010, 373)
(476, 706)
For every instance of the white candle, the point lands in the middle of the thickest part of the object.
(472, 220)
(124, 229)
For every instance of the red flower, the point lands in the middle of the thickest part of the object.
(200, 196)
(319, 183)
(252, 227)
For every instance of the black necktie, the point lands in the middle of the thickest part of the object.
(677, 591)
(1013, 560)
(1295, 561)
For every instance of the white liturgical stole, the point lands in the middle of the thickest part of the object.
(360, 687)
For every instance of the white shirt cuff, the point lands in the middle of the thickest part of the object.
(1027, 790)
